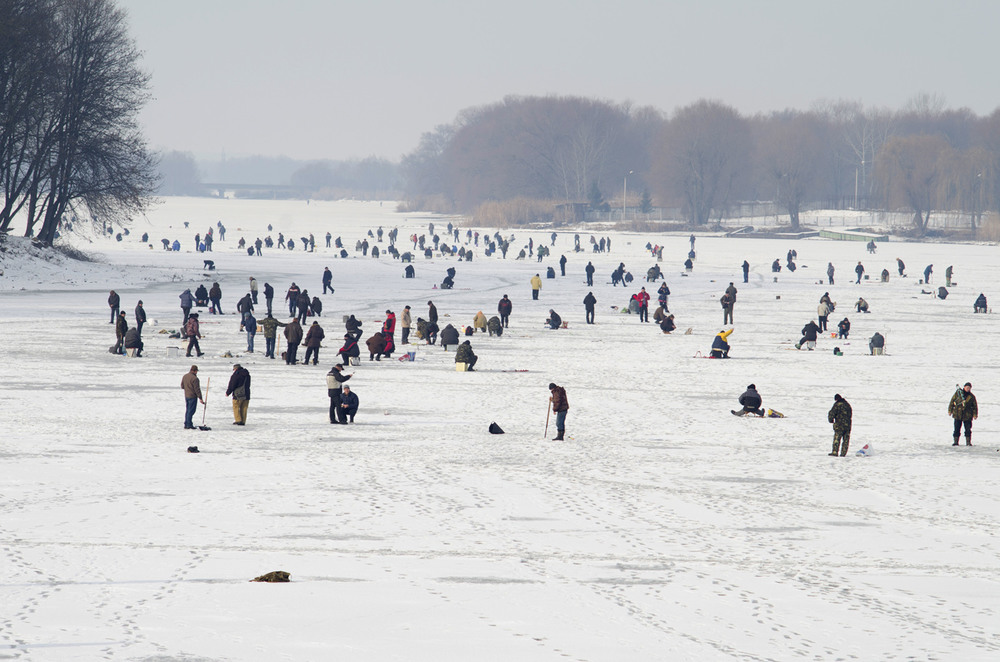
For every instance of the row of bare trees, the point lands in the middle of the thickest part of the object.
(706, 157)
(70, 93)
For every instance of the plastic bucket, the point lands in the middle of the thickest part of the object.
(412, 356)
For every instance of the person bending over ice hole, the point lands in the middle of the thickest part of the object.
(720, 346)
(809, 333)
(449, 336)
(554, 321)
(348, 405)
(861, 305)
(751, 402)
(980, 305)
(376, 346)
(466, 356)
(877, 344)
(494, 326)
(843, 328)
(349, 350)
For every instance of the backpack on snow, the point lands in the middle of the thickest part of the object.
(495, 429)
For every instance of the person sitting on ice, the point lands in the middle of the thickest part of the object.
(465, 355)
(720, 346)
(877, 344)
(449, 336)
(809, 333)
(751, 402)
(843, 328)
(776, 266)
(942, 293)
(980, 305)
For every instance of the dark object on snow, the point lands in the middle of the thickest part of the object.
(495, 429)
(193, 449)
(277, 576)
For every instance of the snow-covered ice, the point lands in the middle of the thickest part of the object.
(663, 528)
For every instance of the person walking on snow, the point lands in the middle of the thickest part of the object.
(746, 271)
(829, 272)
(192, 396)
(964, 409)
(860, 271)
(193, 331)
(560, 406)
(840, 416)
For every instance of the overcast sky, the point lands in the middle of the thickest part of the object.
(331, 79)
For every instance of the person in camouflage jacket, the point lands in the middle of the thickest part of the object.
(840, 416)
(270, 326)
(466, 356)
(964, 409)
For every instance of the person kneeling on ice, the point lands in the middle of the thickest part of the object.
(861, 305)
(840, 416)
(843, 328)
(877, 344)
(667, 325)
(465, 355)
(980, 305)
(720, 346)
(554, 321)
(494, 326)
(348, 405)
(809, 333)
(751, 402)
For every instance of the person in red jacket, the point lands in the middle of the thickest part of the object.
(388, 329)
(643, 298)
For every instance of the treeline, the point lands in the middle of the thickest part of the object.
(706, 157)
(70, 93)
(370, 178)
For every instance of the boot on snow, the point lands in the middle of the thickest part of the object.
(968, 440)
(836, 450)
(843, 448)
(956, 441)
(559, 437)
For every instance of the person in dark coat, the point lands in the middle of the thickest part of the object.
(244, 307)
(239, 388)
(327, 278)
(376, 346)
(900, 266)
(140, 317)
(313, 340)
(667, 325)
(751, 402)
(776, 266)
(349, 349)
(133, 340)
(250, 324)
(302, 305)
(316, 306)
(860, 271)
(465, 355)
(978, 307)
(562, 264)
(192, 330)
(560, 407)
(809, 334)
(876, 345)
(449, 336)
(293, 334)
(201, 296)
(590, 273)
(353, 327)
(348, 405)
(843, 328)
(215, 295)
(504, 307)
(746, 271)
(114, 301)
(268, 297)
(121, 327)
(589, 304)
(432, 313)
(964, 409)
(334, 387)
(840, 415)
(554, 321)
(928, 270)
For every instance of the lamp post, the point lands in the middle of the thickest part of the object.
(625, 193)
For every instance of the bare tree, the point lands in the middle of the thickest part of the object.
(791, 154)
(909, 170)
(701, 154)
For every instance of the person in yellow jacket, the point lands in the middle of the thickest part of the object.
(536, 284)
(720, 346)
(479, 321)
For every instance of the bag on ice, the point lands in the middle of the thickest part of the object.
(865, 450)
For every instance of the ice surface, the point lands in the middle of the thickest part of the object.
(663, 528)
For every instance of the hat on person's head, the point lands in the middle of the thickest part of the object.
(752, 387)
(339, 366)
(388, 312)
(236, 365)
(140, 302)
(406, 307)
(552, 385)
(969, 384)
(837, 397)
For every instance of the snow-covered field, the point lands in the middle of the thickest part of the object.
(663, 528)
